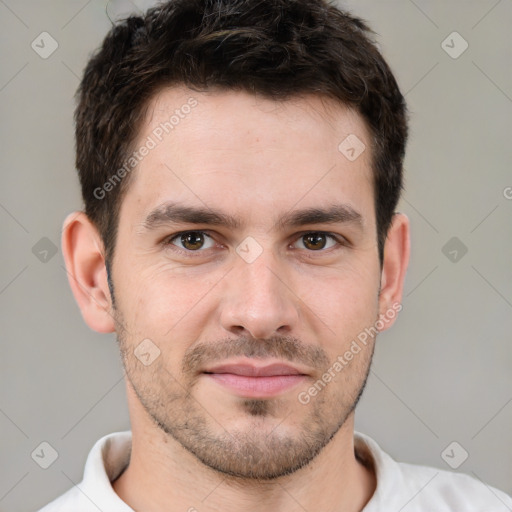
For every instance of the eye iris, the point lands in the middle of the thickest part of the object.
(193, 239)
(315, 238)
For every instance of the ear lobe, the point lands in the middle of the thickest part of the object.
(394, 267)
(82, 249)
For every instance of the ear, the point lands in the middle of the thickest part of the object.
(82, 249)
(394, 267)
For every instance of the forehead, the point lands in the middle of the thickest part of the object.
(178, 109)
(207, 147)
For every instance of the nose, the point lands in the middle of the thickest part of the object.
(259, 301)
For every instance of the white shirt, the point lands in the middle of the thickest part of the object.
(400, 487)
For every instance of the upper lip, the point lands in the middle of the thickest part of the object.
(251, 370)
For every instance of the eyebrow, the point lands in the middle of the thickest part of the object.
(170, 212)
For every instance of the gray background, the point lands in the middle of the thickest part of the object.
(441, 374)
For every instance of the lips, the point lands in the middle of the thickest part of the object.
(251, 381)
(255, 371)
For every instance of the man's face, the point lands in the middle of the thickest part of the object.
(220, 300)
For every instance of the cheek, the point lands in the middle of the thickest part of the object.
(345, 296)
(161, 300)
(347, 306)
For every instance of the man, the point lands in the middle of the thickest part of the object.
(240, 163)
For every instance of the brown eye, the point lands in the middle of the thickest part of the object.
(190, 240)
(317, 240)
(314, 241)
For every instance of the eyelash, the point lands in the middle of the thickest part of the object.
(167, 242)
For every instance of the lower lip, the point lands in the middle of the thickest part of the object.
(253, 387)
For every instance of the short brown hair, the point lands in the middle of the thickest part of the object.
(275, 48)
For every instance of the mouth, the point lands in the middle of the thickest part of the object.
(252, 381)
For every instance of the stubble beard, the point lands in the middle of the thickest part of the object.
(258, 451)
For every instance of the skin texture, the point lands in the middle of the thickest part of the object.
(301, 301)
